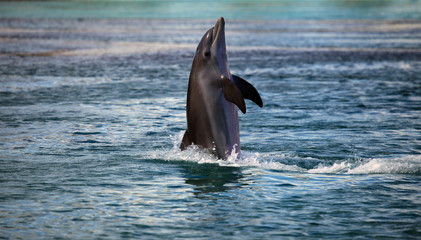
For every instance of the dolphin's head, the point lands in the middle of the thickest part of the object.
(211, 50)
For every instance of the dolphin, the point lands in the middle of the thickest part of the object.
(213, 96)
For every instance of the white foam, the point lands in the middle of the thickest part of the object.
(407, 164)
(335, 168)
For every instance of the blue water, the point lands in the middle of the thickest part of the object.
(92, 111)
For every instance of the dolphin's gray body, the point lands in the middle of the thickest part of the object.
(213, 96)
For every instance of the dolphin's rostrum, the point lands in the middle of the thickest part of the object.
(213, 95)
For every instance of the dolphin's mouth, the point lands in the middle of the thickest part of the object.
(218, 30)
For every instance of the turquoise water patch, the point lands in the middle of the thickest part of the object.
(236, 9)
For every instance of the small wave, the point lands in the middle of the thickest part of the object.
(332, 67)
(14, 83)
(410, 164)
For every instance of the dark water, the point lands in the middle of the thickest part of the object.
(92, 111)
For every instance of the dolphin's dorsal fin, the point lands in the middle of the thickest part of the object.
(248, 91)
(233, 94)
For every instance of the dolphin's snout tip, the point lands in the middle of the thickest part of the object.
(218, 29)
(221, 20)
(220, 24)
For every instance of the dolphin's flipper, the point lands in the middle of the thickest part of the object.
(233, 94)
(248, 91)
(186, 141)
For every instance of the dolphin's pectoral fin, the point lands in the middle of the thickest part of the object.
(233, 94)
(248, 91)
(186, 141)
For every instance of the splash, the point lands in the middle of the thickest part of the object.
(244, 159)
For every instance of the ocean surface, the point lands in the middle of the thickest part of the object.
(92, 111)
